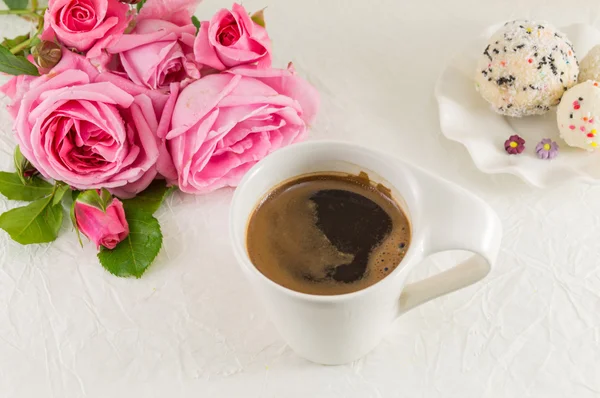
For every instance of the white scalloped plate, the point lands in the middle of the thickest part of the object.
(465, 117)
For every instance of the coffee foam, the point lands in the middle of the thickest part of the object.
(286, 245)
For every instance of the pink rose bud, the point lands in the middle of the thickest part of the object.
(104, 225)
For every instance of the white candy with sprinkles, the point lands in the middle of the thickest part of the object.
(589, 68)
(578, 115)
(526, 68)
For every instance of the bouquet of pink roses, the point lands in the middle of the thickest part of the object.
(119, 104)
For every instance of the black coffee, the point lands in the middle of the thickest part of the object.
(327, 234)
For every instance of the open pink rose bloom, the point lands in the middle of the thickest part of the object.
(157, 53)
(78, 126)
(223, 124)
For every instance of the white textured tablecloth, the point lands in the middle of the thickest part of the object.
(192, 326)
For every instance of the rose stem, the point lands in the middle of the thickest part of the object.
(22, 12)
(27, 42)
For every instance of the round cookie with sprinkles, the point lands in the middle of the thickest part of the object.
(578, 115)
(589, 69)
(526, 68)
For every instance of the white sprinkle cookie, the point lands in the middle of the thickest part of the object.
(526, 68)
(589, 69)
(578, 115)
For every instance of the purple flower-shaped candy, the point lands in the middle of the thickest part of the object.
(514, 145)
(546, 149)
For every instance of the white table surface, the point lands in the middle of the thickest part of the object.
(192, 326)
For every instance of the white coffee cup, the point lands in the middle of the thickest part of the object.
(339, 329)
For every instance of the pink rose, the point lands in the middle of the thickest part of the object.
(223, 124)
(157, 53)
(87, 129)
(230, 39)
(104, 228)
(86, 25)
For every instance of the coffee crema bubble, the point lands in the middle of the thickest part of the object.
(327, 234)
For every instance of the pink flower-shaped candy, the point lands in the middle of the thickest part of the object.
(514, 145)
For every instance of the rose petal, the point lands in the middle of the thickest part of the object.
(178, 12)
(288, 84)
(204, 51)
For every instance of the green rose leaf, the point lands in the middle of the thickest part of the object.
(21, 164)
(10, 43)
(38, 222)
(140, 5)
(13, 187)
(25, 169)
(94, 198)
(35, 41)
(196, 23)
(16, 4)
(259, 18)
(136, 252)
(16, 65)
(74, 195)
(61, 189)
(149, 200)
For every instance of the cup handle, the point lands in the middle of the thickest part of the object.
(461, 221)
